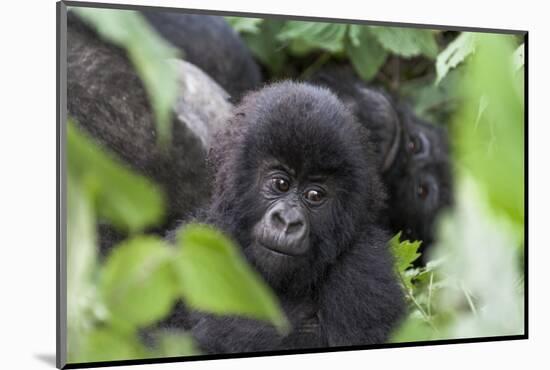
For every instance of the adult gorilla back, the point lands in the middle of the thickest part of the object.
(211, 44)
(108, 101)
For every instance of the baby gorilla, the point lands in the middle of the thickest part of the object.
(296, 187)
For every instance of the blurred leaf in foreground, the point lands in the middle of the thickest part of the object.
(216, 278)
(491, 145)
(104, 344)
(138, 284)
(480, 254)
(171, 343)
(82, 304)
(454, 54)
(148, 52)
(245, 25)
(129, 201)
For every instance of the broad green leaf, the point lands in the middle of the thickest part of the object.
(149, 53)
(216, 278)
(83, 307)
(406, 42)
(105, 344)
(266, 47)
(138, 283)
(314, 35)
(129, 201)
(244, 25)
(454, 54)
(491, 145)
(364, 51)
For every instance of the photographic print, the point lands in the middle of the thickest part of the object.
(252, 184)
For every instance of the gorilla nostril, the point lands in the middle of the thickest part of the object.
(294, 227)
(278, 220)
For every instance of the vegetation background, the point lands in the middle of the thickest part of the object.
(473, 284)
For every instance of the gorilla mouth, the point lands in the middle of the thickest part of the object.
(278, 250)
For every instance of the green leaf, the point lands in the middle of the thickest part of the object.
(519, 57)
(413, 329)
(244, 25)
(171, 344)
(128, 201)
(406, 42)
(405, 253)
(365, 52)
(454, 54)
(314, 35)
(266, 47)
(490, 145)
(83, 307)
(149, 53)
(138, 283)
(105, 344)
(216, 278)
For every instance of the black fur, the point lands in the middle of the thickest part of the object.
(211, 44)
(413, 154)
(343, 291)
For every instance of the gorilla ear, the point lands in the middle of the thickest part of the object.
(383, 121)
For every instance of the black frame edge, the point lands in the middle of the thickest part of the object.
(61, 113)
(290, 16)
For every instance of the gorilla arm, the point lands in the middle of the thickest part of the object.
(361, 300)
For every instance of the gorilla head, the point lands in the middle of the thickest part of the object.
(295, 183)
(296, 186)
(413, 155)
(420, 177)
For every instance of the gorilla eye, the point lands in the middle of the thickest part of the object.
(422, 191)
(415, 144)
(419, 145)
(314, 196)
(281, 184)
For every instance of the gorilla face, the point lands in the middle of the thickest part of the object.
(296, 181)
(421, 178)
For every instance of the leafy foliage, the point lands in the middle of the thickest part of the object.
(407, 42)
(366, 55)
(126, 200)
(234, 289)
(366, 47)
(138, 284)
(454, 54)
(149, 53)
(472, 286)
(241, 24)
(307, 36)
(405, 253)
(137, 281)
(490, 145)
(472, 283)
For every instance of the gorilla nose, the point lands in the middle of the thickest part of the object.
(288, 220)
